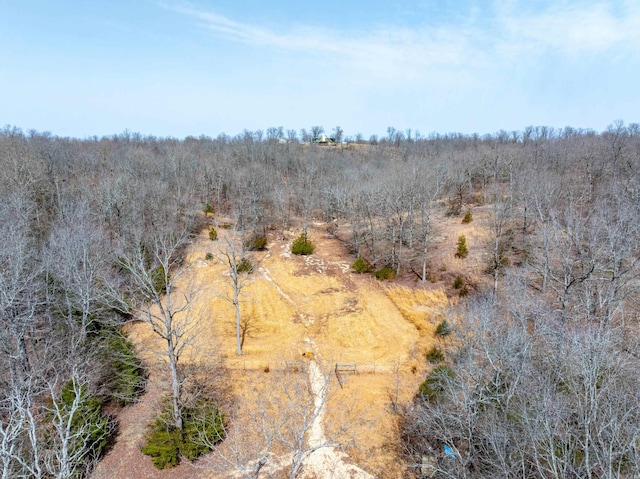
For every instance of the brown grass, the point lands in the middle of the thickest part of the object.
(315, 307)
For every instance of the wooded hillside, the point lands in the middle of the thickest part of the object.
(537, 376)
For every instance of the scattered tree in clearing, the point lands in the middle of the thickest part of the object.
(302, 246)
(238, 267)
(462, 251)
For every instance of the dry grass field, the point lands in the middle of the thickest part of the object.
(302, 308)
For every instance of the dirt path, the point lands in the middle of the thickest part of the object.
(326, 462)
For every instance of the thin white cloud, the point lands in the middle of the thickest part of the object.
(506, 32)
(572, 28)
(381, 51)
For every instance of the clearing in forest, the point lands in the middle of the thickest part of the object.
(310, 310)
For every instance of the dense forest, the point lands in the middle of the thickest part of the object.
(537, 372)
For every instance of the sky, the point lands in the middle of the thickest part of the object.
(177, 68)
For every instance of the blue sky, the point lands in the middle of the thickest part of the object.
(176, 68)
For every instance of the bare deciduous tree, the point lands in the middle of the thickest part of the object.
(158, 298)
(238, 267)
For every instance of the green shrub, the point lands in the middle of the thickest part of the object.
(435, 355)
(208, 209)
(81, 412)
(443, 329)
(361, 265)
(462, 250)
(257, 243)
(386, 272)
(461, 285)
(163, 445)
(245, 266)
(468, 218)
(302, 246)
(202, 426)
(213, 234)
(208, 256)
(127, 375)
(436, 381)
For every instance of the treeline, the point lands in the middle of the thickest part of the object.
(74, 214)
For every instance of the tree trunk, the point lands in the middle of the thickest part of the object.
(175, 384)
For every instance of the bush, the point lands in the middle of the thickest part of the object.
(81, 412)
(461, 285)
(163, 445)
(202, 426)
(435, 383)
(213, 234)
(208, 209)
(386, 272)
(127, 375)
(208, 256)
(258, 243)
(302, 246)
(443, 329)
(462, 250)
(245, 266)
(361, 265)
(468, 218)
(435, 355)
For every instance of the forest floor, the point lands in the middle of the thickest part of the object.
(316, 312)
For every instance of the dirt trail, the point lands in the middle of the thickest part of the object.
(326, 462)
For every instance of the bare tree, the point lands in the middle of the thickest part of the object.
(238, 267)
(316, 131)
(159, 298)
(78, 428)
(431, 181)
(338, 133)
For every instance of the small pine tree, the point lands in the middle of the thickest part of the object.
(386, 272)
(468, 218)
(434, 386)
(245, 266)
(213, 234)
(302, 246)
(361, 266)
(257, 243)
(435, 355)
(166, 444)
(462, 251)
(443, 329)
